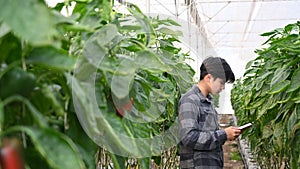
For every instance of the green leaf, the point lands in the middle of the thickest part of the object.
(58, 150)
(285, 98)
(267, 131)
(123, 78)
(131, 27)
(36, 115)
(145, 162)
(86, 1)
(258, 102)
(11, 49)
(78, 28)
(295, 129)
(268, 33)
(296, 99)
(94, 52)
(279, 31)
(169, 31)
(292, 120)
(50, 93)
(168, 22)
(17, 82)
(87, 147)
(106, 34)
(30, 20)
(249, 64)
(280, 74)
(260, 81)
(33, 158)
(144, 22)
(181, 73)
(52, 57)
(290, 27)
(149, 61)
(95, 48)
(295, 82)
(1, 116)
(61, 19)
(281, 86)
(278, 130)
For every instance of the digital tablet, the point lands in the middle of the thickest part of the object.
(243, 127)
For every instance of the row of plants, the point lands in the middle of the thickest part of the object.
(78, 90)
(268, 95)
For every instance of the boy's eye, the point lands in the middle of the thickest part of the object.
(222, 82)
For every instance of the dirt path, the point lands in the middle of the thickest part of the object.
(232, 156)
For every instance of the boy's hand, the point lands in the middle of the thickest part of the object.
(232, 132)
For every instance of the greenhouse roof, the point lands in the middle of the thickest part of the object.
(233, 25)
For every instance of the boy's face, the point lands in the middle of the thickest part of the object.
(217, 85)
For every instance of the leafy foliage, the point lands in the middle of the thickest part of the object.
(268, 95)
(47, 64)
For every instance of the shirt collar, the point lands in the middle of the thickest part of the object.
(201, 96)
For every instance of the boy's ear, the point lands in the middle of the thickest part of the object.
(208, 77)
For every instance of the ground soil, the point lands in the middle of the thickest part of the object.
(232, 156)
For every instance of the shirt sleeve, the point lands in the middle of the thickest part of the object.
(193, 134)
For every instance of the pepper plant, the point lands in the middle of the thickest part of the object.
(72, 86)
(268, 95)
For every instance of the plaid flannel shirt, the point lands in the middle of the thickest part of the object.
(201, 139)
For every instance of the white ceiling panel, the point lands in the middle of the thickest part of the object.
(226, 27)
(279, 10)
(224, 11)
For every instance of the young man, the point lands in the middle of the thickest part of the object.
(201, 139)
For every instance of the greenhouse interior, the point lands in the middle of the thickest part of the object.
(131, 84)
